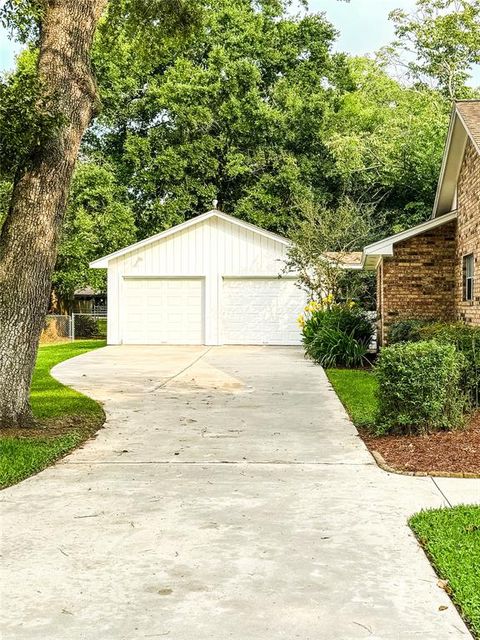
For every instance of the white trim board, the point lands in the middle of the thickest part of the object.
(454, 151)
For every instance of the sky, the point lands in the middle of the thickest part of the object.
(363, 25)
(8, 49)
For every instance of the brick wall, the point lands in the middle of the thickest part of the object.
(418, 281)
(468, 239)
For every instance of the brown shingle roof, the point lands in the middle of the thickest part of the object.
(349, 258)
(469, 112)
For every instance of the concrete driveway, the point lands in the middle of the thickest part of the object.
(228, 497)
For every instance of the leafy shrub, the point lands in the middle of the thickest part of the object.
(333, 348)
(419, 387)
(336, 334)
(406, 331)
(466, 339)
(85, 327)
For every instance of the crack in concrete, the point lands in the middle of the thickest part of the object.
(243, 463)
(440, 491)
(168, 380)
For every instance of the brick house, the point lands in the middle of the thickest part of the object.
(431, 271)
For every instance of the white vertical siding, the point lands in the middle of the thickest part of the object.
(211, 249)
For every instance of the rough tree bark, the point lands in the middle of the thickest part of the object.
(30, 234)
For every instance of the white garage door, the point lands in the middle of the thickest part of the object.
(261, 311)
(163, 311)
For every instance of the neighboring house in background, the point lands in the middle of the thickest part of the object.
(89, 301)
(431, 271)
(84, 301)
(211, 280)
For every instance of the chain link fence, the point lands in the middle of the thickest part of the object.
(57, 328)
(78, 326)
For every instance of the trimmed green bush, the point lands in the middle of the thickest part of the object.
(406, 331)
(419, 388)
(466, 339)
(336, 335)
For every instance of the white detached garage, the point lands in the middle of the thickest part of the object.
(211, 280)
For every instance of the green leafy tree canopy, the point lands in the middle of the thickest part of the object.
(98, 221)
(439, 43)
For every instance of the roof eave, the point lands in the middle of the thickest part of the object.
(454, 150)
(351, 267)
(102, 263)
(373, 253)
(445, 156)
(371, 262)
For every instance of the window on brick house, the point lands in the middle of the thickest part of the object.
(468, 277)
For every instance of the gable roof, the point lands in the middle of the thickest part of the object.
(102, 263)
(464, 126)
(345, 260)
(469, 112)
(374, 252)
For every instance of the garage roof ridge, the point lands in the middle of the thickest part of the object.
(102, 263)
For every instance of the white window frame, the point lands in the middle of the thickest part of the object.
(468, 277)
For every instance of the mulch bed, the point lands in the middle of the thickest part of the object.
(454, 452)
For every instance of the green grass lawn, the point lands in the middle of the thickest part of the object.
(451, 539)
(67, 417)
(356, 389)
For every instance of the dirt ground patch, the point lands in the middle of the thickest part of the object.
(442, 452)
(85, 426)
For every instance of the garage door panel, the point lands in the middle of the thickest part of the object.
(163, 311)
(261, 311)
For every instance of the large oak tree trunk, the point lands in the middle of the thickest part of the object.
(30, 234)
